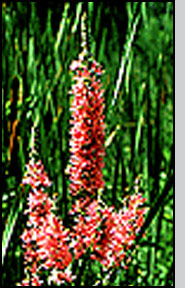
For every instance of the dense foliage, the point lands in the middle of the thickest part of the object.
(133, 41)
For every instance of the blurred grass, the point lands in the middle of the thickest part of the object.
(134, 42)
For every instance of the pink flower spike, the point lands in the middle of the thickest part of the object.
(87, 131)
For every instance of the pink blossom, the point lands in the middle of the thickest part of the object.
(45, 239)
(87, 131)
(107, 233)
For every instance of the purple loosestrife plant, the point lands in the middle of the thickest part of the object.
(98, 230)
(107, 233)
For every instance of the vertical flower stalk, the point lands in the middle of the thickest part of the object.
(45, 240)
(87, 132)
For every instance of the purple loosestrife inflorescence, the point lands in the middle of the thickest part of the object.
(107, 233)
(87, 130)
(45, 240)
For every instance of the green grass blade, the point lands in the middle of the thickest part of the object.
(77, 18)
(62, 26)
(10, 225)
(125, 58)
(138, 131)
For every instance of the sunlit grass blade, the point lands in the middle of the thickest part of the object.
(111, 137)
(77, 17)
(62, 25)
(125, 58)
(10, 225)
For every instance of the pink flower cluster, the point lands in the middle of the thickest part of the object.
(100, 228)
(103, 232)
(106, 232)
(50, 247)
(87, 129)
(45, 240)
